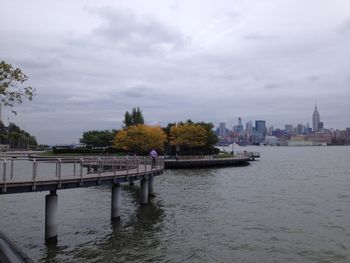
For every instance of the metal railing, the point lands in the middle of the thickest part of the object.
(33, 170)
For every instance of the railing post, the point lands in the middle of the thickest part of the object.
(35, 173)
(81, 171)
(145, 159)
(114, 168)
(59, 172)
(4, 176)
(57, 169)
(89, 166)
(99, 169)
(12, 168)
(127, 166)
(74, 168)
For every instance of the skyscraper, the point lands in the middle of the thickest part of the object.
(315, 120)
(222, 129)
(249, 128)
(260, 127)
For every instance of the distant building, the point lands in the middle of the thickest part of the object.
(289, 128)
(270, 131)
(270, 140)
(260, 131)
(315, 120)
(249, 128)
(239, 128)
(221, 131)
(299, 140)
(322, 137)
(320, 125)
(300, 129)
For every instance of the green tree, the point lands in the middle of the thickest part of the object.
(17, 138)
(133, 118)
(12, 90)
(212, 139)
(98, 138)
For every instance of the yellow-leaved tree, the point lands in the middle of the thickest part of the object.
(188, 135)
(140, 139)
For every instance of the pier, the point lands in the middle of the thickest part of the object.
(188, 162)
(20, 175)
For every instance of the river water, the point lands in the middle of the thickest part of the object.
(292, 205)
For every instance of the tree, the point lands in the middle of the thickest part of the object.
(191, 138)
(16, 138)
(140, 139)
(133, 118)
(12, 90)
(188, 135)
(98, 138)
(212, 139)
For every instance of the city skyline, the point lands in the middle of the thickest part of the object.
(315, 118)
(92, 61)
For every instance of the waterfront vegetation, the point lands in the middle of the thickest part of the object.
(16, 138)
(182, 138)
(140, 139)
(12, 90)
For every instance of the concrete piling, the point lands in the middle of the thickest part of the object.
(151, 186)
(144, 191)
(116, 201)
(51, 205)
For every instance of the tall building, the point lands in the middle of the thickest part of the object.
(270, 130)
(315, 120)
(249, 128)
(260, 130)
(239, 127)
(300, 129)
(222, 129)
(288, 128)
(260, 126)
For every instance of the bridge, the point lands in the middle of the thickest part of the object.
(20, 175)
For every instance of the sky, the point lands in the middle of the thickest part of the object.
(90, 61)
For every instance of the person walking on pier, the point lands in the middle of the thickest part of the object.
(153, 155)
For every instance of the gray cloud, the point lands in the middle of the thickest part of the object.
(344, 28)
(259, 36)
(137, 34)
(271, 86)
(313, 78)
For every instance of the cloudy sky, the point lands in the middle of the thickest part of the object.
(90, 61)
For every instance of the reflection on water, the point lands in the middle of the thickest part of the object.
(290, 206)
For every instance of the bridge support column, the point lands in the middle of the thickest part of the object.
(151, 186)
(51, 205)
(144, 191)
(116, 201)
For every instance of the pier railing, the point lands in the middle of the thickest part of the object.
(32, 170)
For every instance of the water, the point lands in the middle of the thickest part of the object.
(293, 205)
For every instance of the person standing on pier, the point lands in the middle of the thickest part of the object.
(153, 155)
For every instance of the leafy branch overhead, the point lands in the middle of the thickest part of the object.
(12, 90)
